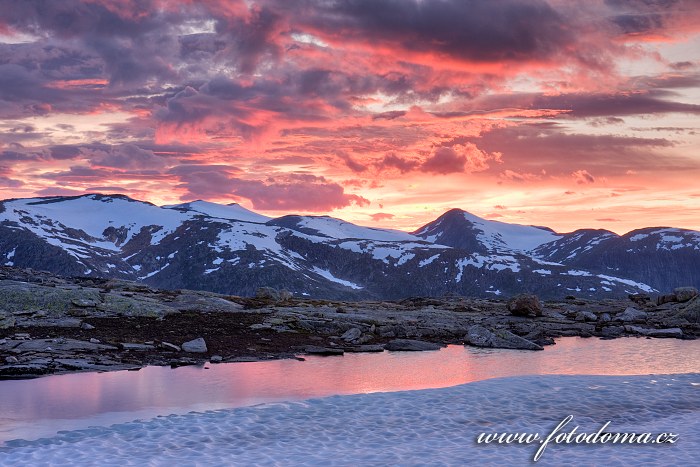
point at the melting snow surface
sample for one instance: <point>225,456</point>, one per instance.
<point>430,426</point>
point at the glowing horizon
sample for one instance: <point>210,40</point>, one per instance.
<point>380,112</point>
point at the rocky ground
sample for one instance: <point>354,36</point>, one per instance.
<point>51,324</point>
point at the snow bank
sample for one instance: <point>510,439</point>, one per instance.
<point>428,427</point>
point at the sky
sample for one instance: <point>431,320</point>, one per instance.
<point>387,113</point>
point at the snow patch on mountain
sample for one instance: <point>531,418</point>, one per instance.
<point>628,282</point>
<point>339,229</point>
<point>229,211</point>
<point>51,218</point>
<point>327,274</point>
<point>496,235</point>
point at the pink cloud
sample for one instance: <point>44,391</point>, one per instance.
<point>583,177</point>
<point>381,216</point>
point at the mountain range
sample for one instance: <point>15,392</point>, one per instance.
<point>229,249</point>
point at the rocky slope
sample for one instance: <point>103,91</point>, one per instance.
<point>54,324</point>
<point>231,250</point>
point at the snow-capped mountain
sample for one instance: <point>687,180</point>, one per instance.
<point>229,249</point>
<point>460,229</point>
<point>661,256</point>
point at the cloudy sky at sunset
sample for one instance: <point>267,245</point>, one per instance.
<point>562,113</point>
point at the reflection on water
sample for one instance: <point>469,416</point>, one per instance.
<point>35,408</point>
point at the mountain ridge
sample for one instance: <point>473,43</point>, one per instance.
<point>229,249</point>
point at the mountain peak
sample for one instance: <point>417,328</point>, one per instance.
<point>462,229</point>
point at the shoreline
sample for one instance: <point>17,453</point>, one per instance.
<point>55,325</point>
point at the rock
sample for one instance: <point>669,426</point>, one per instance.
<point>605,318</point>
<point>351,334</point>
<point>691,312</point>
<point>204,302</point>
<point>87,326</point>
<point>366,348</point>
<point>11,360</point>
<point>7,322</point>
<point>94,341</point>
<point>83,303</point>
<point>216,359</point>
<point>411,345</point>
<point>479,336</point>
<point>285,295</point>
<point>116,304</point>
<point>317,350</point>
<point>539,337</point>
<point>525,304</point>
<point>137,347</point>
<point>54,322</point>
<point>586,316</point>
<point>61,345</point>
<point>667,332</point>
<point>685,294</point>
<point>363,339</point>
<point>168,346</point>
<point>195,346</point>
<point>612,331</point>
<point>640,298</point>
<point>631,315</point>
<point>270,293</point>
<point>668,298</point>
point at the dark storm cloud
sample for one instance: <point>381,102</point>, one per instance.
<point>600,105</point>
<point>471,30</point>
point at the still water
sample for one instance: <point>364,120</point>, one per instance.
<point>31,409</point>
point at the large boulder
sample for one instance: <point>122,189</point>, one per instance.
<point>667,298</point>
<point>640,298</point>
<point>351,334</point>
<point>586,316</point>
<point>479,336</point>
<point>691,312</point>
<point>631,315</point>
<point>525,304</point>
<point>411,345</point>
<point>267,293</point>
<point>194,346</point>
<point>685,294</point>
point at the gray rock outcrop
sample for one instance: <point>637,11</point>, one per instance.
<point>631,315</point>
<point>411,345</point>
<point>194,346</point>
<point>479,336</point>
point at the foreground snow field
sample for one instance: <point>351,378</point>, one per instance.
<point>426,427</point>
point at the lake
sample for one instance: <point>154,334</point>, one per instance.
<point>31,409</point>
